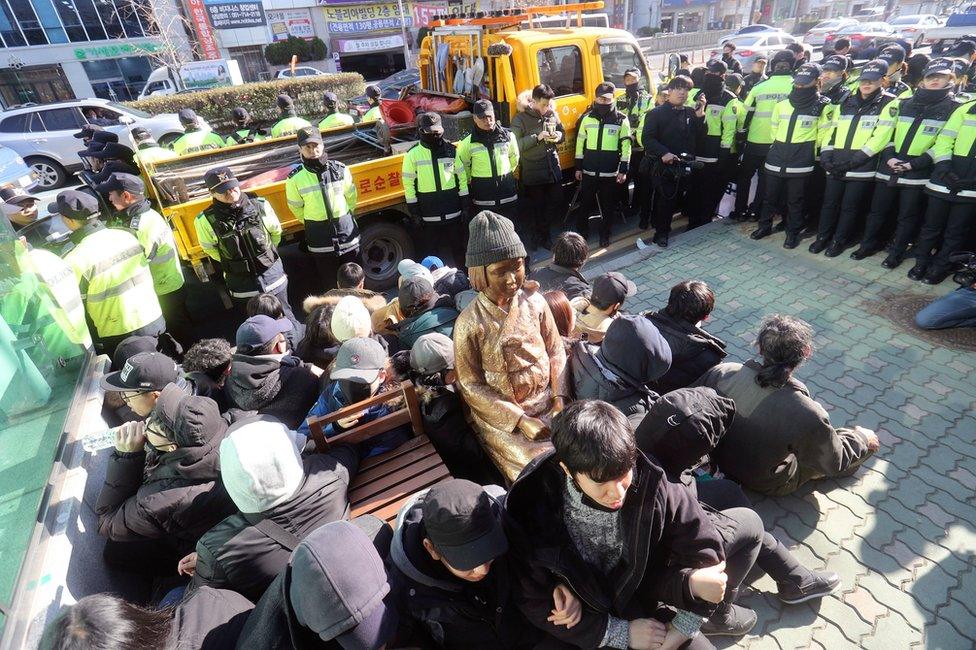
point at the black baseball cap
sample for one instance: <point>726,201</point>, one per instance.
<point>16,195</point>
<point>717,66</point>
<point>143,372</point>
<point>285,101</point>
<point>430,123</point>
<point>121,182</point>
<point>874,70</point>
<point>606,89</point>
<point>416,291</point>
<point>131,346</point>
<point>112,150</point>
<point>240,114</point>
<point>611,288</point>
<point>463,523</point>
<point>633,72</point>
<point>257,331</point>
<point>308,134</point>
<point>892,54</point>
<point>836,63</point>
<point>483,108</point>
<point>359,359</point>
<point>939,66</point>
<point>807,73</point>
<point>87,130</point>
<point>964,47</point>
<point>77,205</point>
<point>220,180</point>
<point>187,116</point>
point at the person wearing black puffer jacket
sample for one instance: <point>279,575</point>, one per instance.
<point>693,350</point>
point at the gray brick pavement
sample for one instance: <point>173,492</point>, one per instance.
<point>902,531</point>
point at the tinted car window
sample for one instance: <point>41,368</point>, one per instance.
<point>57,119</point>
<point>15,124</point>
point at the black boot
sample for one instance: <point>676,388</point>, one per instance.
<point>936,275</point>
<point>729,619</point>
<point>917,272</point>
<point>863,252</point>
<point>792,241</point>
<point>835,249</point>
<point>761,232</point>
<point>780,227</point>
<point>818,245</point>
<point>820,584</point>
<point>894,260</point>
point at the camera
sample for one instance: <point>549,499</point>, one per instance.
<point>965,276</point>
<point>682,167</point>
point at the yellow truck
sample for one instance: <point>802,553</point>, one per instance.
<point>461,60</point>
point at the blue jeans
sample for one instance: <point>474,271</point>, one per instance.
<point>958,309</point>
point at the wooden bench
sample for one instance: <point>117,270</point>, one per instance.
<point>386,481</point>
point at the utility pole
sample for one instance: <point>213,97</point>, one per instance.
<point>405,35</point>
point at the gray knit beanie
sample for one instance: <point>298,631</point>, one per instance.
<point>492,238</point>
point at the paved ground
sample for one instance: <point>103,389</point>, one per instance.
<point>902,531</point>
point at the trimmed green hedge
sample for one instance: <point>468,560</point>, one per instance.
<point>215,105</point>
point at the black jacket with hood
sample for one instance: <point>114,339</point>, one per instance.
<point>280,386</point>
<point>666,536</point>
<point>208,619</point>
<point>456,613</point>
<point>178,494</point>
<point>693,351</point>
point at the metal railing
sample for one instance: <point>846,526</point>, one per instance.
<point>681,42</point>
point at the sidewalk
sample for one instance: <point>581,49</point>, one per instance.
<point>902,531</point>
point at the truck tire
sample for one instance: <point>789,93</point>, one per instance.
<point>382,245</point>
<point>50,174</point>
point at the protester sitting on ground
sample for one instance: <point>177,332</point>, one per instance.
<point>563,313</point>
<point>334,593</point>
<point>282,497</point>
<point>955,309</point>
<point>361,369</point>
<point>385,318</point>
<point>265,377</point>
<point>781,437</point>
<point>510,358</point>
<point>431,368</point>
<point>206,366</point>
<point>350,320</point>
<point>567,515</point>
<point>270,305</point>
<point>450,553</point>
<point>618,371</point>
<point>424,311</point>
<point>319,345</point>
<point>447,280</point>
<point>693,350</point>
<point>141,380</point>
<point>162,487</point>
<point>683,427</point>
<point>205,618</point>
<point>569,253</point>
<point>607,297</point>
<point>350,281</point>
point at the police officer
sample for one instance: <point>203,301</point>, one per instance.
<point>22,210</point>
<point>244,131</point>
<point>489,157</point>
<point>113,158</point>
<point>906,164</point>
<point>436,189</point>
<point>127,194</point>
<point>602,160</point>
<point>242,232</point>
<point>636,102</point>
<point>860,130</point>
<point>798,126</point>
<point>755,132</point>
<point>716,145</point>
<point>951,213</point>
<point>373,94</point>
<point>68,336</point>
<point>288,122</point>
<point>148,151</point>
<point>195,138</point>
<point>833,81</point>
<point>894,56</point>
<point>334,118</point>
<point>965,50</point>
<point>322,196</point>
<point>757,75</point>
<point>114,279</point>
<point>833,88</point>
<point>86,132</point>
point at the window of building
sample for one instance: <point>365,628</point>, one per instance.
<point>8,27</point>
<point>128,14</point>
<point>617,58</point>
<point>251,61</point>
<point>71,20</point>
<point>89,18</point>
<point>110,18</point>
<point>40,84</point>
<point>119,80</point>
<point>29,25</point>
<point>146,15</point>
<point>48,16</point>
<point>561,68</point>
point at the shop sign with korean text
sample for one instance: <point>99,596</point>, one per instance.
<point>364,45</point>
<point>116,50</point>
<point>290,22</point>
<point>233,14</point>
<point>365,18</point>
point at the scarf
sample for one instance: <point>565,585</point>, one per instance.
<point>803,97</point>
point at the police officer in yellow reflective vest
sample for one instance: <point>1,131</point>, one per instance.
<point>334,118</point>
<point>127,194</point>
<point>195,138</point>
<point>373,94</point>
<point>602,160</point>
<point>244,132</point>
<point>322,196</point>
<point>799,125</point>
<point>436,189</point>
<point>636,102</point>
<point>113,275</point>
<point>288,122</point>
<point>894,57</point>
<point>148,151</point>
<point>489,157</point>
<point>861,128</point>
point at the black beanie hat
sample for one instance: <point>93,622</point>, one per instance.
<point>492,238</point>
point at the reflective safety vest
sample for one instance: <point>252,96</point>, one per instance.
<point>60,280</point>
<point>152,155</point>
<point>859,126</point>
<point>490,174</point>
<point>159,246</point>
<point>916,131</point>
<point>721,120</point>
<point>335,120</point>
<point>797,135</point>
<point>114,280</point>
<point>373,115</point>
<point>635,108</point>
<point>603,146</point>
<point>199,140</point>
<point>288,126</point>
<point>433,181</point>
<point>755,118</point>
<point>955,151</point>
<point>324,203</point>
<point>244,136</point>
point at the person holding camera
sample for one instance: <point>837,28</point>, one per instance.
<point>958,308</point>
<point>669,136</point>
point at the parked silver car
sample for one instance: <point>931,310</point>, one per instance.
<point>749,46</point>
<point>818,33</point>
<point>14,172</point>
<point>44,135</point>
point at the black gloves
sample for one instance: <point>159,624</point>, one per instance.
<point>858,159</point>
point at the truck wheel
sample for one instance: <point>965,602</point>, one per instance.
<point>382,245</point>
<point>50,175</point>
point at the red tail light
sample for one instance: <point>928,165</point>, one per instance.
<point>857,37</point>
<point>746,52</point>
<point>910,29</point>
